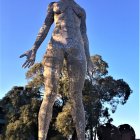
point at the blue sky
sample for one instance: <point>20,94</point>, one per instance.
<point>112,28</point>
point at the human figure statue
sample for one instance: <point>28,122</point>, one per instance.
<point>68,41</point>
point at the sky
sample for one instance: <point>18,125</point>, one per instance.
<point>113,32</point>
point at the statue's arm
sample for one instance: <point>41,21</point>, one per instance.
<point>45,28</point>
<point>84,35</point>
<point>31,54</point>
<point>86,42</point>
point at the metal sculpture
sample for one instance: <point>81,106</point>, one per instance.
<point>68,41</point>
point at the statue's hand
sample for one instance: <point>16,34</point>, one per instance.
<point>89,67</point>
<point>31,54</point>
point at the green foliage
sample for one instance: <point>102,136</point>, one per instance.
<point>92,104</point>
<point>111,88</point>
<point>100,66</point>
<point>35,76</point>
<point>21,108</point>
<point>64,122</point>
<point>101,96</point>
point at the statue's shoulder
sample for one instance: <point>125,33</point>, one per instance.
<point>79,10</point>
<point>54,4</point>
<point>83,12</point>
<point>51,4</point>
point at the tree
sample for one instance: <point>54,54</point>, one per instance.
<point>108,132</point>
<point>21,108</point>
<point>127,132</point>
<point>101,95</point>
<point>35,76</point>
<point>64,122</point>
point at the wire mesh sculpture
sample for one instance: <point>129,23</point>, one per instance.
<point>68,41</point>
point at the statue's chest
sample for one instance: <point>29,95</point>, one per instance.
<point>59,8</point>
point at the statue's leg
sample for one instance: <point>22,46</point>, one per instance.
<point>53,61</point>
<point>77,71</point>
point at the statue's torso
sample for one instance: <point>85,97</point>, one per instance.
<point>67,18</point>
